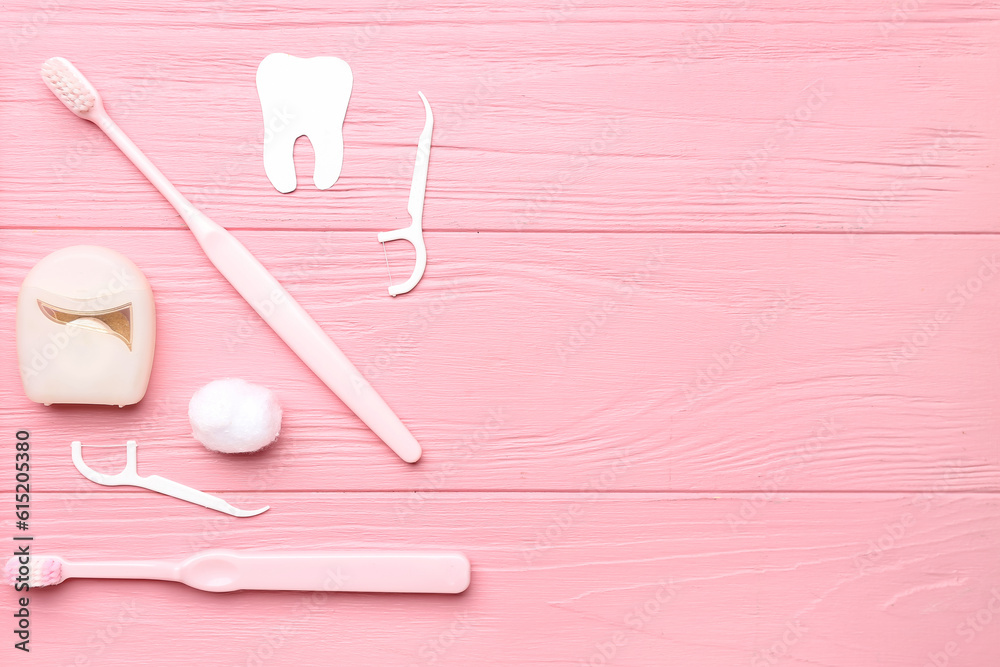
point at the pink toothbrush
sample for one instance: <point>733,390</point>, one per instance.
<point>265,294</point>
<point>219,571</point>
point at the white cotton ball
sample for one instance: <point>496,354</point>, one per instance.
<point>233,416</point>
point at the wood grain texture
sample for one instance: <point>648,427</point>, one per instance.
<point>704,362</point>
<point>710,362</point>
<point>665,571</point>
<point>700,116</point>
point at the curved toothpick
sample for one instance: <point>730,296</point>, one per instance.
<point>130,477</point>
<point>415,233</point>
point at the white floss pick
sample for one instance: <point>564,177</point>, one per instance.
<point>234,416</point>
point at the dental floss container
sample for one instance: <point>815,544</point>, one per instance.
<point>86,328</point>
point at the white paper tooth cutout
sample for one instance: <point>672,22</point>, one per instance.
<point>303,96</point>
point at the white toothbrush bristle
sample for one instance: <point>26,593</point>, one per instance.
<point>69,85</point>
<point>40,571</point>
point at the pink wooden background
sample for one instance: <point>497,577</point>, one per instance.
<point>705,361</point>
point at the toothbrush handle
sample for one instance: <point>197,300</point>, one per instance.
<point>142,163</point>
<point>301,333</point>
<point>122,569</point>
<point>358,571</point>
<point>276,306</point>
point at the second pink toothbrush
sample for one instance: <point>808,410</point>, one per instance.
<point>220,571</point>
<point>260,289</point>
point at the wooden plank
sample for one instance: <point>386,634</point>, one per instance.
<point>650,579</point>
<point>695,117</point>
<point>534,361</point>
<point>704,362</point>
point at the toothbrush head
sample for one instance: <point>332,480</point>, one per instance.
<point>41,571</point>
<point>71,87</point>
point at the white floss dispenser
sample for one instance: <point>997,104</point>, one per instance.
<point>86,328</point>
